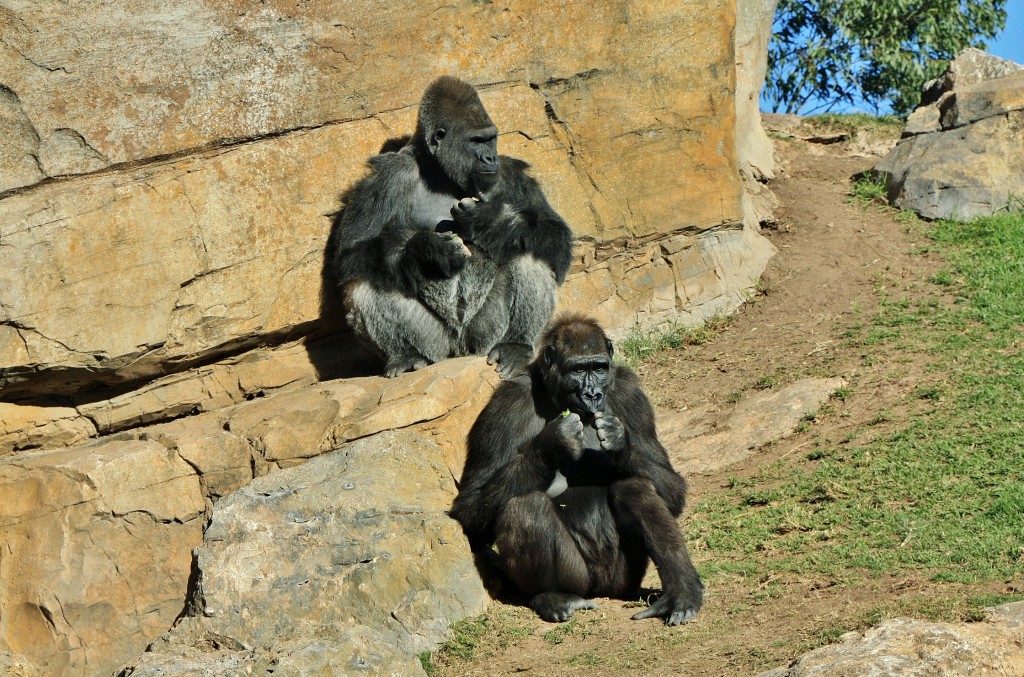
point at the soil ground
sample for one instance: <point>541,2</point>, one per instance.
<point>834,261</point>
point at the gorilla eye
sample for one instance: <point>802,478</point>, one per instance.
<point>440,134</point>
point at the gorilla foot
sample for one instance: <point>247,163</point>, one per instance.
<point>511,358</point>
<point>403,363</point>
<point>556,607</point>
<point>675,607</point>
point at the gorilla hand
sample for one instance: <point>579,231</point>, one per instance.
<point>676,605</point>
<point>610,433</point>
<point>471,215</point>
<point>561,441</point>
<point>437,255</point>
<point>511,358</point>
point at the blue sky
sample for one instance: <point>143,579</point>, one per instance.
<point>1010,43</point>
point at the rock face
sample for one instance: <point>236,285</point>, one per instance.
<point>163,223</point>
<point>753,30</point>
<point>332,558</point>
<point>960,155</point>
<point>97,539</point>
<point>908,648</point>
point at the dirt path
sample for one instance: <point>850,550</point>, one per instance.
<point>835,261</point>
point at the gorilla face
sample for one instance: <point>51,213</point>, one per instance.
<point>469,157</point>
<point>458,133</point>
<point>579,382</point>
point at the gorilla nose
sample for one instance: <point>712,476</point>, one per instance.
<point>594,402</point>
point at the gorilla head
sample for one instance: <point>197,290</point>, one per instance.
<point>456,131</point>
<point>576,358</point>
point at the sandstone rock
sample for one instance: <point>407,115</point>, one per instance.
<point>97,545</point>
<point>202,654</point>
<point>29,427</point>
<point>19,144</point>
<point>684,277</point>
<point>959,157</point>
<point>327,550</point>
<point>756,420</point>
<point>904,647</point>
<point>16,666</point>
<point>84,529</point>
<point>205,235</point>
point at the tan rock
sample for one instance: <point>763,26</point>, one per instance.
<point>97,544</point>
<point>29,427</point>
<point>191,249</point>
<point>697,447</point>
<point>904,647</point>
<point>753,30</point>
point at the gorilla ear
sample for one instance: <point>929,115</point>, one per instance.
<point>609,346</point>
<point>439,134</point>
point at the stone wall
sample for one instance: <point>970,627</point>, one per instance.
<point>168,177</point>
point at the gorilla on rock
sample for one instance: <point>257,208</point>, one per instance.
<point>447,248</point>
<point>566,479</point>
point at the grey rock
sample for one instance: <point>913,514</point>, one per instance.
<point>961,173</point>
<point>960,155</point>
<point>348,560</point>
<point>970,66</point>
<point>903,647</point>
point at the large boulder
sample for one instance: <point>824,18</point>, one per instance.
<point>333,560</point>
<point>904,647</point>
<point>98,538</point>
<point>960,156</point>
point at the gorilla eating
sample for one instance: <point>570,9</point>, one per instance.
<point>566,478</point>
<point>447,248</point>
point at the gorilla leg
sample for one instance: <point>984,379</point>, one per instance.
<point>409,335</point>
<point>527,300</point>
<point>638,507</point>
<point>540,556</point>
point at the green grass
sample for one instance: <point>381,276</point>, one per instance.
<point>640,344</point>
<point>941,495</point>
<point>855,123</point>
<point>869,189</point>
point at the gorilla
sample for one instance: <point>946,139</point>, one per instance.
<point>447,248</point>
<point>566,479</point>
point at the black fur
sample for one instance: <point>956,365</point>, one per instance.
<point>447,222</point>
<point>623,499</point>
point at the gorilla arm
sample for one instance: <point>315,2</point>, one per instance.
<point>516,220</point>
<point>512,452</point>
<point>634,447</point>
<point>379,239</point>
<point>640,453</point>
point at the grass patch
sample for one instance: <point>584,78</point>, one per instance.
<point>640,344</point>
<point>856,123</point>
<point>869,189</point>
<point>943,495</point>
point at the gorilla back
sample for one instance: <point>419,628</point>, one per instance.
<point>566,477</point>
<point>447,248</point>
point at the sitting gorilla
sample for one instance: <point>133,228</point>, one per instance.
<point>566,477</point>
<point>446,248</point>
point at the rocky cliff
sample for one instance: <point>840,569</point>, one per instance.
<point>168,334</point>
